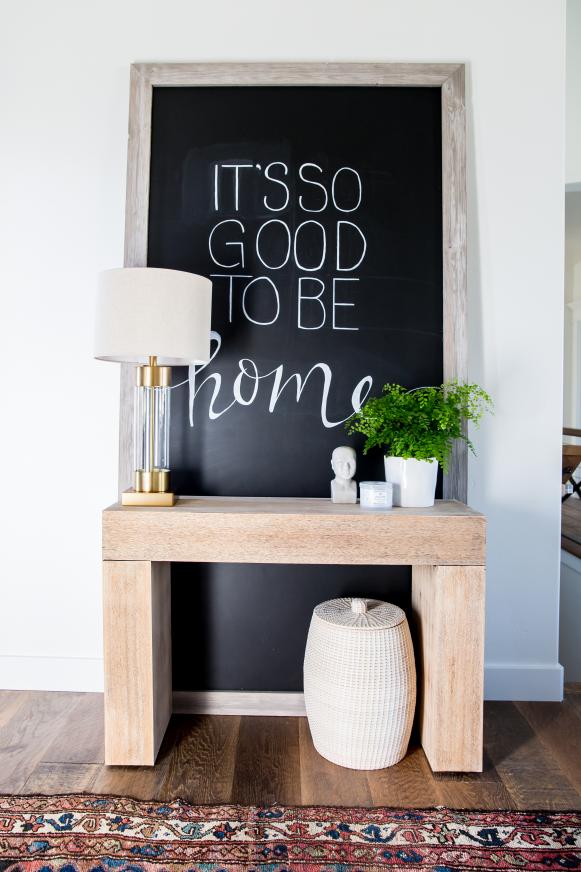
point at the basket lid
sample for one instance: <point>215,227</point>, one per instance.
<point>366,614</point>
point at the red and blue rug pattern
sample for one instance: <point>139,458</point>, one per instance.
<point>112,834</point>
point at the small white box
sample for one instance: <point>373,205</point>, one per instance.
<point>376,494</point>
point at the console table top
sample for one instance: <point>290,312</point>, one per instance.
<point>295,506</point>
<point>288,530</point>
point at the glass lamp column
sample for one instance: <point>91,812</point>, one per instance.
<point>151,437</point>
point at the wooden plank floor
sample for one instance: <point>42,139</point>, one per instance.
<point>53,743</point>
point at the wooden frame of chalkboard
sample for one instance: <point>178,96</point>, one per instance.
<point>449,78</point>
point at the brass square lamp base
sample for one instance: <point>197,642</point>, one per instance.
<point>139,498</point>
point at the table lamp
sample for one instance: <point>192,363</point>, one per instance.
<point>156,318</point>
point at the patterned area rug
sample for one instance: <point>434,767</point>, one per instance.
<point>82,832</point>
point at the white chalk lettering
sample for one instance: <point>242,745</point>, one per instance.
<point>239,244</point>
<point>336,305</point>
<point>288,240</point>
<point>276,296</point>
<point>271,178</point>
<point>237,168</point>
<point>360,261</point>
<point>315,297</point>
<point>194,389</point>
<point>249,371</point>
<point>252,376</point>
<point>333,183</point>
<point>312,182</point>
<point>323,246</point>
<point>230,277</point>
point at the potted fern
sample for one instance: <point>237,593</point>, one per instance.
<point>416,430</point>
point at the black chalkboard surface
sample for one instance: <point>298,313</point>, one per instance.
<point>317,213</point>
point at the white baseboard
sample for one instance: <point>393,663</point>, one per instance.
<point>22,672</point>
<point>502,681</point>
<point>225,702</point>
<point>518,681</point>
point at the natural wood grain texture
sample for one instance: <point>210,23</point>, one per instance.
<point>142,782</point>
<point>574,699</point>
<point>321,779</point>
<point>137,619</point>
<point>530,772</point>
<point>10,702</point>
<point>454,209</point>
<point>87,743</point>
<point>298,506</point>
<point>571,460</point>
<point>136,222</point>
<point>62,778</point>
<point>232,530</point>
<point>474,794</point>
<point>271,74</point>
<point>448,77</point>
<point>202,759</point>
<point>178,771</point>
<point>137,654</point>
<point>222,702</point>
<point>473,790</point>
<point>267,762</point>
<point>26,731</point>
<point>448,609</point>
<point>558,726</point>
<point>138,159</point>
<point>571,546</point>
<point>409,784</point>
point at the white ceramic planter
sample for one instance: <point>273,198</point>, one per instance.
<point>414,481</point>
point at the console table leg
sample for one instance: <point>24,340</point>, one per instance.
<point>448,607</point>
<point>137,652</point>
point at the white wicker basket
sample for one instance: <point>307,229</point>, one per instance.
<point>360,682</point>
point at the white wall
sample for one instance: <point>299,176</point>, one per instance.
<point>64,120</point>
<point>573,96</point>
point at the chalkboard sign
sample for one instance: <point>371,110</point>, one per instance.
<point>317,212</point>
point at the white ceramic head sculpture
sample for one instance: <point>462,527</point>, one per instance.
<point>344,464</point>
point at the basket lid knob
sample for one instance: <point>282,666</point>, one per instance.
<point>359,606</point>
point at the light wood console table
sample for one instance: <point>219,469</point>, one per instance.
<point>445,545</point>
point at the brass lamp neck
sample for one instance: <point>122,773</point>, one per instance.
<point>153,376</point>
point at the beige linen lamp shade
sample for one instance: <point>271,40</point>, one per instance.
<point>144,312</point>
